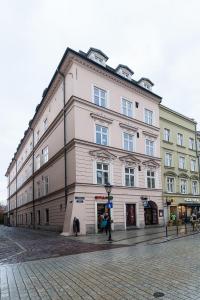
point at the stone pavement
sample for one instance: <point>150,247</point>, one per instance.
<point>136,272</point>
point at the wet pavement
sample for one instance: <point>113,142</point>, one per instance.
<point>21,244</point>
<point>166,271</point>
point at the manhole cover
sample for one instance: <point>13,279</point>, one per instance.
<point>158,294</point>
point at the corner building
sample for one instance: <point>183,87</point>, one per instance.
<point>94,125</point>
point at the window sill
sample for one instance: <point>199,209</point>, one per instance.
<point>180,146</point>
<point>183,170</point>
<point>169,167</point>
<point>167,142</point>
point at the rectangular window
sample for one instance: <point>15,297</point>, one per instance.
<point>168,159</point>
<point>47,215</point>
<point>45,124</point>
<point>127,108</point>
<point>38,189</point>
<point>31,214</point>
<point>166,135</point>
<point>191,144</point>
<point>183,186</point>
<point>193,165</point>
<point>100,97</point>
<point>101,135</point>
<point>129,176</point>
<point>37,136</point>
<point>170,185</point>
<point>181,162</point>
<point>46,185</point>
<point>180,139</point>
<point>38,217</point>
<point>128,142</point>
<point>148,116</point>
<point>194,187</point>
<point>149,147</point>
<point>45,155</point>
<point>150,179</point>
<point>37,162</point>
<point>102,173</point>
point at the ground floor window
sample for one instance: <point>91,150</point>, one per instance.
<point>47,215</point>
<point>31,218</point>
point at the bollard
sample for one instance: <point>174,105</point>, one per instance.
<point>177,229</point>
<point>166,231</point>
<point>185,228</point>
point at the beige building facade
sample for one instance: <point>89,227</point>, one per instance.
<point>94,125</point>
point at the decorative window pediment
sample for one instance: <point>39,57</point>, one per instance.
<point>169,173</point>
<point>130,160</point>
<point>102,155</point>
<point>151,163</point>
<point>128,127</point>
<point>183,175</point>
<point>194,177</point>
<point>102,118</point>
<point>150,134</point>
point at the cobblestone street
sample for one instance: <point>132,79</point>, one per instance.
<point>170,270</point>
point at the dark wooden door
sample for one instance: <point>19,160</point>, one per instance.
<point>130,215</point>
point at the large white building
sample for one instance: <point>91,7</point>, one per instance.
<point>95,124</point>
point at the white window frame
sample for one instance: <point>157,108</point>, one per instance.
<point>45,185</point>
<point>129,174</point>
<point>183,190</point>
<point>45,124</point>
<point>128,139</point>
<point>181,162</point>
<point>195,190</point>
<point>150,148</point>
<point>151,178</point>
<point>179,139</point>
<point>104,171</point>
<point>45,155</point>
<point>99,97</point>
<point>193,165</point>
<point>166,134</point>
<point>191,144</point>
<point>124,108</point>
<point>101,134</point>
<point>170,183</point>
<point>148,116</point>
<point>168,159</point>
<point>37,162</point>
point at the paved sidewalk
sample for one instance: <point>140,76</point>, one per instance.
<point>133,273</point>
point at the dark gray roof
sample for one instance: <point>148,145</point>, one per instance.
<point>146,79</point>
<point>96,50</point>
<point>125,67</point>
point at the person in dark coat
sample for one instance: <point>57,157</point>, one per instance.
<point>76,225</point>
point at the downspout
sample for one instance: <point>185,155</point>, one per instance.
<point>16,187</point>
<point>33,188</point>
<point>8,201</point>
<point>197,156</point>
<point>65,139</point>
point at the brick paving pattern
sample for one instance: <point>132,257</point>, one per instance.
<point>139,272</point>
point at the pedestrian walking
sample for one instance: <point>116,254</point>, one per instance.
<point>76,226</point>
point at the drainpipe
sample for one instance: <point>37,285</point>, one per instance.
<point>33,188</point>
<point>8,222</point>
<point>16,187</point>
<point>197,155</point>
<point>65,139</point>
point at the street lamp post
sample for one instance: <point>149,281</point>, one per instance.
<point>108,188</point>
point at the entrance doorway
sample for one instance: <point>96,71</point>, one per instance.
<point>130,215</point>
<point>151,213</point>
<point>101,210</point>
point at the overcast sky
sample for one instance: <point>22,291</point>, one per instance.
<point>156,39</point>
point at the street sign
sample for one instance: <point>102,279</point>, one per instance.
<point>109,205</point>
<point>79,199</point>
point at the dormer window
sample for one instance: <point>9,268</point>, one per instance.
<point>124,71</point>
<point>98,56</point>
<point>146,83</point>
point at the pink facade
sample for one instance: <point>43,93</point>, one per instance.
<point>112,134</point>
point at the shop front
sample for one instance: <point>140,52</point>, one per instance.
<point>183,208</point>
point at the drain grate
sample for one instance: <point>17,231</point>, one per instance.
<point>158,294</point>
